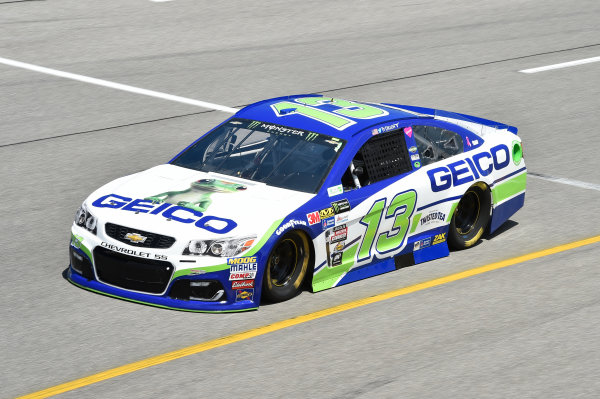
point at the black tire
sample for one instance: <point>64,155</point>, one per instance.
<point>286,267</point>
<point>471,217</point>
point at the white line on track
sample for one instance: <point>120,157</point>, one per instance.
<point>562,180</point>
<point>561,65</point>
<point>117,86</point>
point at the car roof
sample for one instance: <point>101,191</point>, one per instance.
<point>265,111</point>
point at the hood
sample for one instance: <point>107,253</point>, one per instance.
<point>186,203</point>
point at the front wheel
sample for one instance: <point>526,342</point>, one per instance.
<point>286,267</point>
<point>471,217</point>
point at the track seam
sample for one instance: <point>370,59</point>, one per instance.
<point>321,91</point>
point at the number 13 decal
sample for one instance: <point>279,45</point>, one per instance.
<point>400,210</point>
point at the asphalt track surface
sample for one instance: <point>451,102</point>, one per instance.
<point>528,330</point>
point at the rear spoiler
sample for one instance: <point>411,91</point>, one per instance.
<point>469,122</point>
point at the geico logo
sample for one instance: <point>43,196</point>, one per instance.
<point>247,259</point>
<point>174,212</point>
<point>469,169</point>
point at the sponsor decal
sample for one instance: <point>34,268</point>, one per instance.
<point>197,271</point>
<point>291,223</point>
<point>177,213</point>
<point>328,222</point>
<point>414,157</point>
<point>335,190</point>
<point>244,295</point>
<point>326,213</point>
<point>239,284</point>
<point>336,258</point>
<point>432,217</point>
<point>385,128</point>
<point>340,206</point>
<point>468,169</point>
<point>311,136</point>
<point>439,238</point>
<point>468,142</point>
<point>135,238</point>
<point>253,124</point>
<point>76,241</point>
<point>475,142</point>
<point>133,252</point>
<point>283,130</point>
<point>339,233</point>
<point>313,218</point>
<point>243,268</point>
<point>417,164</point>
<point>408,131</point>
<point>339,246</point>
<point>242,276</point>
<point>412,149</point>
<point>422,244</point>
<point>342,218</point>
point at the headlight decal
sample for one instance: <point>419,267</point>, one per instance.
<point>83,218</point>
<point>226,248</point>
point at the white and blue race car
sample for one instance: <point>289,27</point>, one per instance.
<point>297,192</point>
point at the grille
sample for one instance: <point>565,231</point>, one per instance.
<point>153,240</point>
<point>132,273</point>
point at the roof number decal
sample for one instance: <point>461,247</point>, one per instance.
<point>338,118</point>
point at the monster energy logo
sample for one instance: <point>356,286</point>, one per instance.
<point>311,136</point>
<point>253,124</point>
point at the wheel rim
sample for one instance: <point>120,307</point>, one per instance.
<point>283,262</point>
<point>467,213</point>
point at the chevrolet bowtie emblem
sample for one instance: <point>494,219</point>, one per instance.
<point>135,237</point>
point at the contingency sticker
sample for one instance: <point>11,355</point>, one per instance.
<point>335,190</point>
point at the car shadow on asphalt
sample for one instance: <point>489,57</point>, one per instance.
<point>509,224</point>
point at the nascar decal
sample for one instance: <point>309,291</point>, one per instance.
<point>467,170</point>
<point>244,268</point>
<point>176,213</point>
<point>420,244</point>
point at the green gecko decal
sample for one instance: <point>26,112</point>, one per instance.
<point>197,197</point>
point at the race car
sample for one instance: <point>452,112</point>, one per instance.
<point>297,192</point>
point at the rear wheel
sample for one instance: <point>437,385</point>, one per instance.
<point>471,217</point>
<point>286,267</point>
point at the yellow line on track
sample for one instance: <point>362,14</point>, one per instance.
<point>255,332</point>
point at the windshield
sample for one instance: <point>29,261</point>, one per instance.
<point>273,154</point>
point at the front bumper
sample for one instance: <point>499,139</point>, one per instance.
<point>91,269</point>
